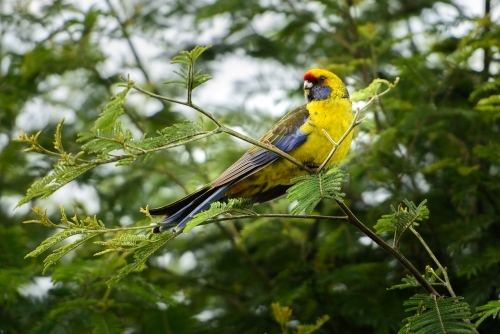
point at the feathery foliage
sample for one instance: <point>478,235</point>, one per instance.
<point>107,139</point>
<point>309,190</point>
<point>233,205</point>
<point>437,315</point>
<point>190,78</point>
<point>491,309</point>
<point>402,219</point>
<point>435,137</point>
<point>431,276</point>
<point>282,315</point>
<point>142,253</point>
<point>106,323</point>
<point>71,227</point>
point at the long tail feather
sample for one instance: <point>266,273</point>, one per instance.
<point>183,210</point>
<point>202,206</point>
<point>174,207</point>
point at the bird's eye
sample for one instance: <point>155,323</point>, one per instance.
<point>321,79</point>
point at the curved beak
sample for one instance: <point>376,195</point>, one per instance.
<point>307,88</point>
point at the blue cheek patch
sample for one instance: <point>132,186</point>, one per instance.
<point>320,92</point>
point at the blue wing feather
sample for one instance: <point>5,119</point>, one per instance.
<point>285,135</point>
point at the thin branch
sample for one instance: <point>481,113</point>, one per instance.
<point>129,41</point>
<point>439,314</point>
<point>436,261</point>
<point>268,147</point>
<point>397,255</point>
<point>278,215</point>
<point>230,131</point>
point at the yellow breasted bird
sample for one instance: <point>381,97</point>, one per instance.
<point>263,175</point>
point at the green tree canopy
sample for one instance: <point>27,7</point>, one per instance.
<point>435,137</point>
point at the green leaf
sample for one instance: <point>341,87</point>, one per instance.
<point>491,309</point>
<point>106,323</point>
<point>176,83</point>
<point>308,329</point>
<point>198,50</point>
<point>105,141</point>
<point>437,315</point>
<point>311,189</point>
<point>44,219</point>
<point>200,79</point>
<point>402,218</point>
<point>61,176</point>
<point>143,252</point>
<point>237,205</point>
<point>111,111</point>
<point>190,78</point>
<point>122,243</point>
<point>69,306</point>
<point>58,253</point>
<point>58,137</point>
<point>490,100</point>
<point>409,282</point>
<point>171,134</point>
<point>363,94</point>
<point>53,240</point>
<point>281,314</point>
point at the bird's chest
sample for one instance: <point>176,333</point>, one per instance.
<point>326,122</point>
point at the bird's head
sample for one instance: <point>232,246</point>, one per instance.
<point>321,84</point>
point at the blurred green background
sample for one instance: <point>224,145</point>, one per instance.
<point>435,137</point>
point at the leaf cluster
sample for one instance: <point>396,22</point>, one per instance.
<point>109,142</point>
<point>437,315</point>
<point>309,190</point>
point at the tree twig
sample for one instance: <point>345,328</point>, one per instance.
<point>397,255</point>
<point>230,131</point>
<point>436,261</point>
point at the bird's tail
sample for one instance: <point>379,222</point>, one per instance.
<point>180,212</point>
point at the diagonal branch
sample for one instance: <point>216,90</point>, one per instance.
<point>229,131</point>
<point>396,254</point>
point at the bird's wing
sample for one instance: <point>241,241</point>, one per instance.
<point>285,135</point>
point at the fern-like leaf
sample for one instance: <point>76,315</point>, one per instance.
<point>58,253</point>
<point>106,323</point>
<point>189,78</point>
<point>68,306</point>
<point>168,135</point>
<point>308,329</point>
<point>282,315</point>
<point>491,309</point>
<point>44,219</point>
<point>401,218</point>
<point>122,243</point>
<point>144,250</point>
<point>89,227</point>
<point>484,88</point>
<point>235,205</point>
<point>45,187</point>
<point>58,137</point>
<point>437,315</point>
<point>408,282</point>
<point>105,141</point>
<point>107,118</point>
<point>311,189</point>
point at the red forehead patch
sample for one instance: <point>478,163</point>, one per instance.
<point>309,77</point>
